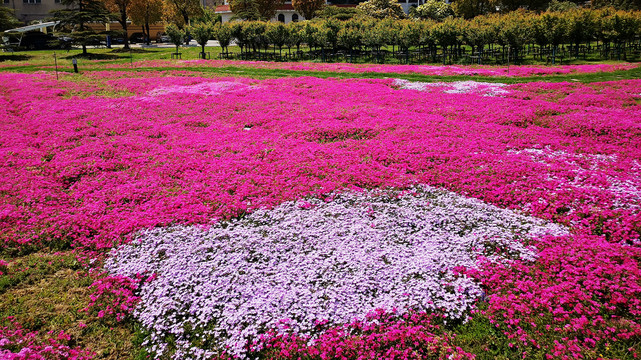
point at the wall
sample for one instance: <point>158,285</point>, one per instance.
<point>27,12</point>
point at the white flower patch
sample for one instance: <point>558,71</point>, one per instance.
<point>625,187</point>
<point>206,88</point>
<point>456,87</point>
<point>309,261</point>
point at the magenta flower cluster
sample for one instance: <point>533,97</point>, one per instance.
<point>17,343</point>
<point>380,334</point>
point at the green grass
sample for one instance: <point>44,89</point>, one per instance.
<point>47,291</point>
<point>35,60</point>
<point>257,73</point>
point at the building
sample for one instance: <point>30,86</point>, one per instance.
<point>30,10</point>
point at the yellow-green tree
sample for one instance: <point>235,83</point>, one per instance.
<point>381,9</point>
<point>121,9</point>
<point>144,13</point>
<point>471,8</point>
<point>180,11</point>
<point>308,8</point>
<point>245,9</point>
<point>267,8</point>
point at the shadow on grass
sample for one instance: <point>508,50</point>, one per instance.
<point>14,57</point>
<point>92,56</point>
<point>126,51</point>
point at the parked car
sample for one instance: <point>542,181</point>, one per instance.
<point>137,38</point>
<point>162,38</point>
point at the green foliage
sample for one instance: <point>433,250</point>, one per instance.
<point>515,31</point>
<point>239,34</point>
<point>223,33</point>
<point>432,9</point>
<point>176,35</point>
<point>8,19</point>
<point>554,28</point>
<point>350,36</point>
<point>471,8</point>
<point>556,5</point>
<point>201,32</point>
<point>381,9</point>
<point>308,8</point>
<point>267,8</point>
<point>208,16</point>
<point>296,34</point>
<point>336,13</point>
<point>617,4</point>
<point>245,9</point>
<point>277,34</point>
<point>75,20</point>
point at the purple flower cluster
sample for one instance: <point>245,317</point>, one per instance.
<point>309,261</point>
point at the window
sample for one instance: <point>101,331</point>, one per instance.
<point>281,18</point>
<point>295,18</point>
<point>31,1</point>
<point>6,1</point>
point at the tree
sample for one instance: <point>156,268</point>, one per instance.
<point>245,9</point>
<point>120,7</point>
<point>267,8</point>
<point>278,35</point>
<point>223,33</point>
<point>176,35</point>
<point>512,5</point>
<point>75,19</point>
<point>336,13</point>
<point>144,13</point>
<point>556,5</point>
<point>381,9</point>
<point>237,31</point>
<point>432,9</point>
<point>180,11</point>
<point>8,19</point>
<point>308,8</point>
<point>470,8</point>
<point>201,32</point>
<point>617,4</point>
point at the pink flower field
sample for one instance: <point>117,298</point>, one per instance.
<point>307,218</point>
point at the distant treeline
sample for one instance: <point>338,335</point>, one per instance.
<point>597,33</point>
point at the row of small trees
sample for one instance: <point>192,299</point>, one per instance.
<point>614,29</point>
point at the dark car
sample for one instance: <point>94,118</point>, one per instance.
<point>35,40</point>
<point>138,38</point>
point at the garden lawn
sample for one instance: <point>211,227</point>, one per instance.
<point>535,187</point>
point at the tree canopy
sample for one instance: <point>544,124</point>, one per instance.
<point>75,19</point>
<point>179,12</point>
<point>381,9</point>
<point>8,19</point>
<point>145,13</point>
<point>121,9</point>
<point>308,8</point>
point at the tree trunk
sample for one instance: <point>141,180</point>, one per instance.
<point>148,32</point>
<point>123,23</point>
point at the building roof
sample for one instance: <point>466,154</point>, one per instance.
<point>34,27</point>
